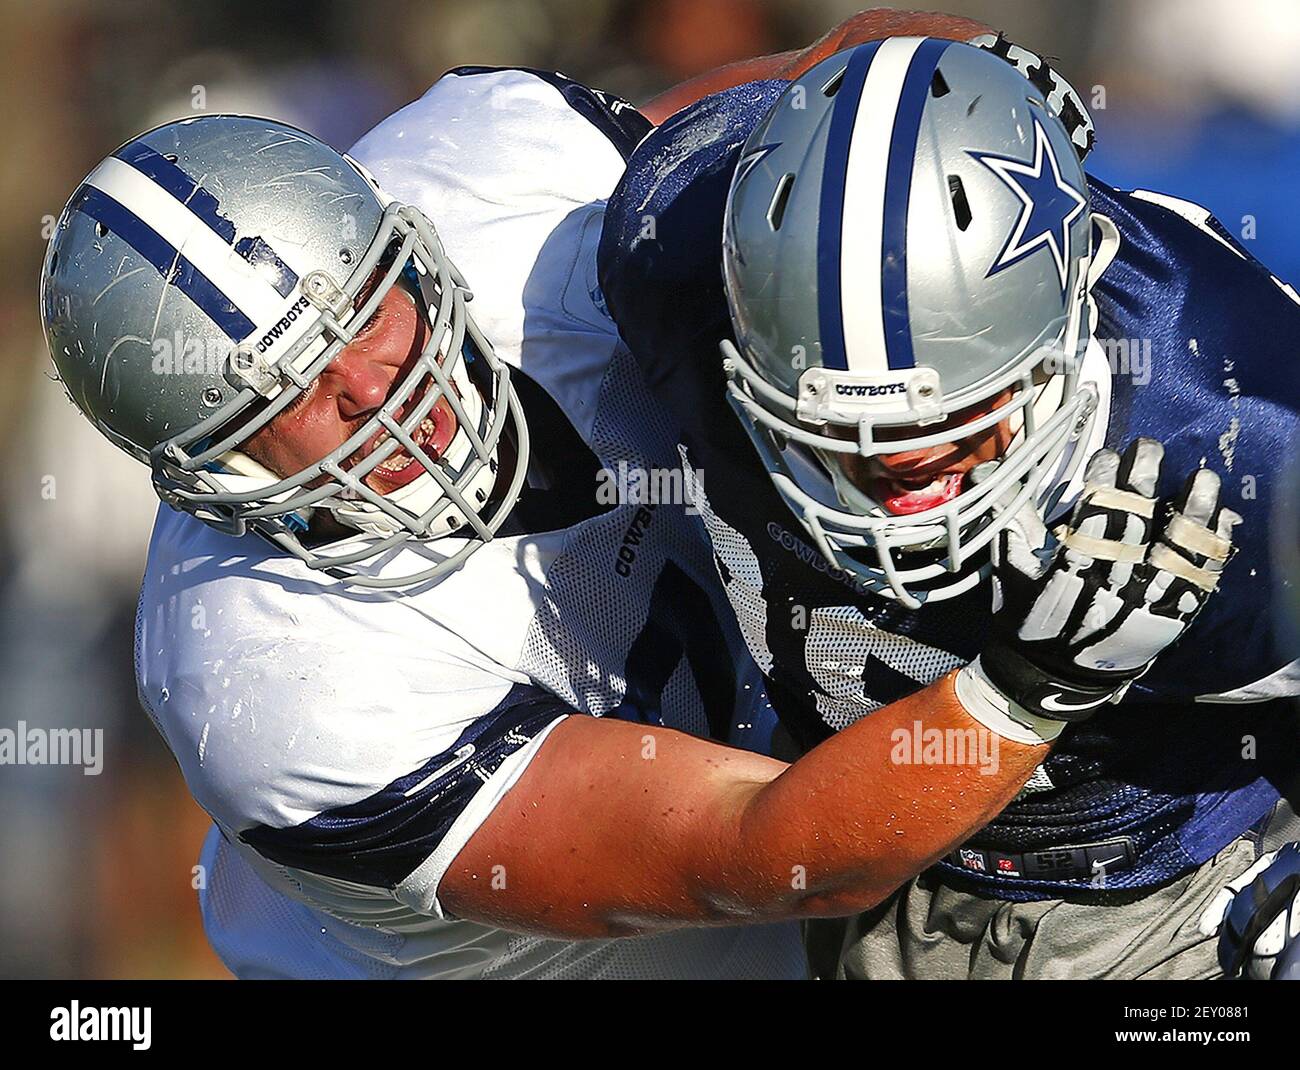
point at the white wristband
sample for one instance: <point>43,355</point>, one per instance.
<point>985,703</point>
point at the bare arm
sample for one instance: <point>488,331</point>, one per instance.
<point>618,828</point>
<point>871,25</point>
<point>615,828</point>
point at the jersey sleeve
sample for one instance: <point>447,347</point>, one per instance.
<point>513,167</point>
<point>405,833</point>
<point>515,131</point>
<point>613,117</point>
<point>1199,335</point>
<point>353,741</point>
<point>660,254</point>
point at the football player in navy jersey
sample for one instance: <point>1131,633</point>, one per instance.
<point>931,321</point>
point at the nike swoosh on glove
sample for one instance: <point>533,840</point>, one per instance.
<point>1081,615</point>
<point>1257,917</point>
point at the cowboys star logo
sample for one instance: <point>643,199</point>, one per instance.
<point>1049,205</point>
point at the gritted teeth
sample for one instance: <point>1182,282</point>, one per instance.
<point>901,500</point>
<point>400,459</point>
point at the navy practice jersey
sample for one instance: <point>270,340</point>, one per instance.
<point>1189,761</point>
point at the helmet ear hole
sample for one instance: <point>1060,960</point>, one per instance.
<point>960,203</point>
<point>836,80</point>
<point>780,198</point>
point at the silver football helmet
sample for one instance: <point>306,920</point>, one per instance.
<point>908,236</point>
<point>199,280</point>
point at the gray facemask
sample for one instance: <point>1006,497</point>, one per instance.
<point>206,273</point>
<point>907,236</point>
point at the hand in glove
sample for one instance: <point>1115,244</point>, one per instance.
<point>1080,616</point>
<point>1257,917</point>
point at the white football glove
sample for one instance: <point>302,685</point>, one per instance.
<point>1257,917</point>
<point>1082,614</point>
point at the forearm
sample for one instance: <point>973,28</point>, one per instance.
<point>869,808</point>
<point>875,25</point>
<point>673,100</point>
<point>618,828</point>
<point>871,25</point>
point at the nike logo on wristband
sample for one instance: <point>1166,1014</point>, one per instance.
<point>1052,702</point>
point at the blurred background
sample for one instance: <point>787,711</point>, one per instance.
<point>1199,98</point>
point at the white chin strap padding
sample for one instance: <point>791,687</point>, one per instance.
<point>1107,248</point>
<point>240,474</point>
<point>418,497</point>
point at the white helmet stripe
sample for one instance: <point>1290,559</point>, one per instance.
<point>251,293</point>
<point>862,230</point>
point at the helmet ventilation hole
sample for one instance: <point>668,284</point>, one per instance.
<point>54,261</point>
<point>960,205</point>
<point>101,231</point>
<point>170,157</point>
<point>836,80</point>
<point>938,85</point>
<point>780,197</point>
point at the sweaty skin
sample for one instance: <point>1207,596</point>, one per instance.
<point>350,390</point>
<point>871,25</point>
<point>618,828</point>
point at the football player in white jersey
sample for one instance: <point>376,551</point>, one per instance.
<point>380,700</point>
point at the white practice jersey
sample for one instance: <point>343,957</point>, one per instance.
<point>348,742</point>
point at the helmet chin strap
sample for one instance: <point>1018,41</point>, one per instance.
<point>1107,248</point>
<point>239,474</point>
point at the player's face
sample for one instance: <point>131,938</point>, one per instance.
<point>350,390</point>
<point>915,480</point>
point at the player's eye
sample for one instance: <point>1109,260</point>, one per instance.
<point>371,323</point>
<point>303,395</point>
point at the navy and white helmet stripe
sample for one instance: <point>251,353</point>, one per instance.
<point>159,210</point>
<point>866,190</point>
